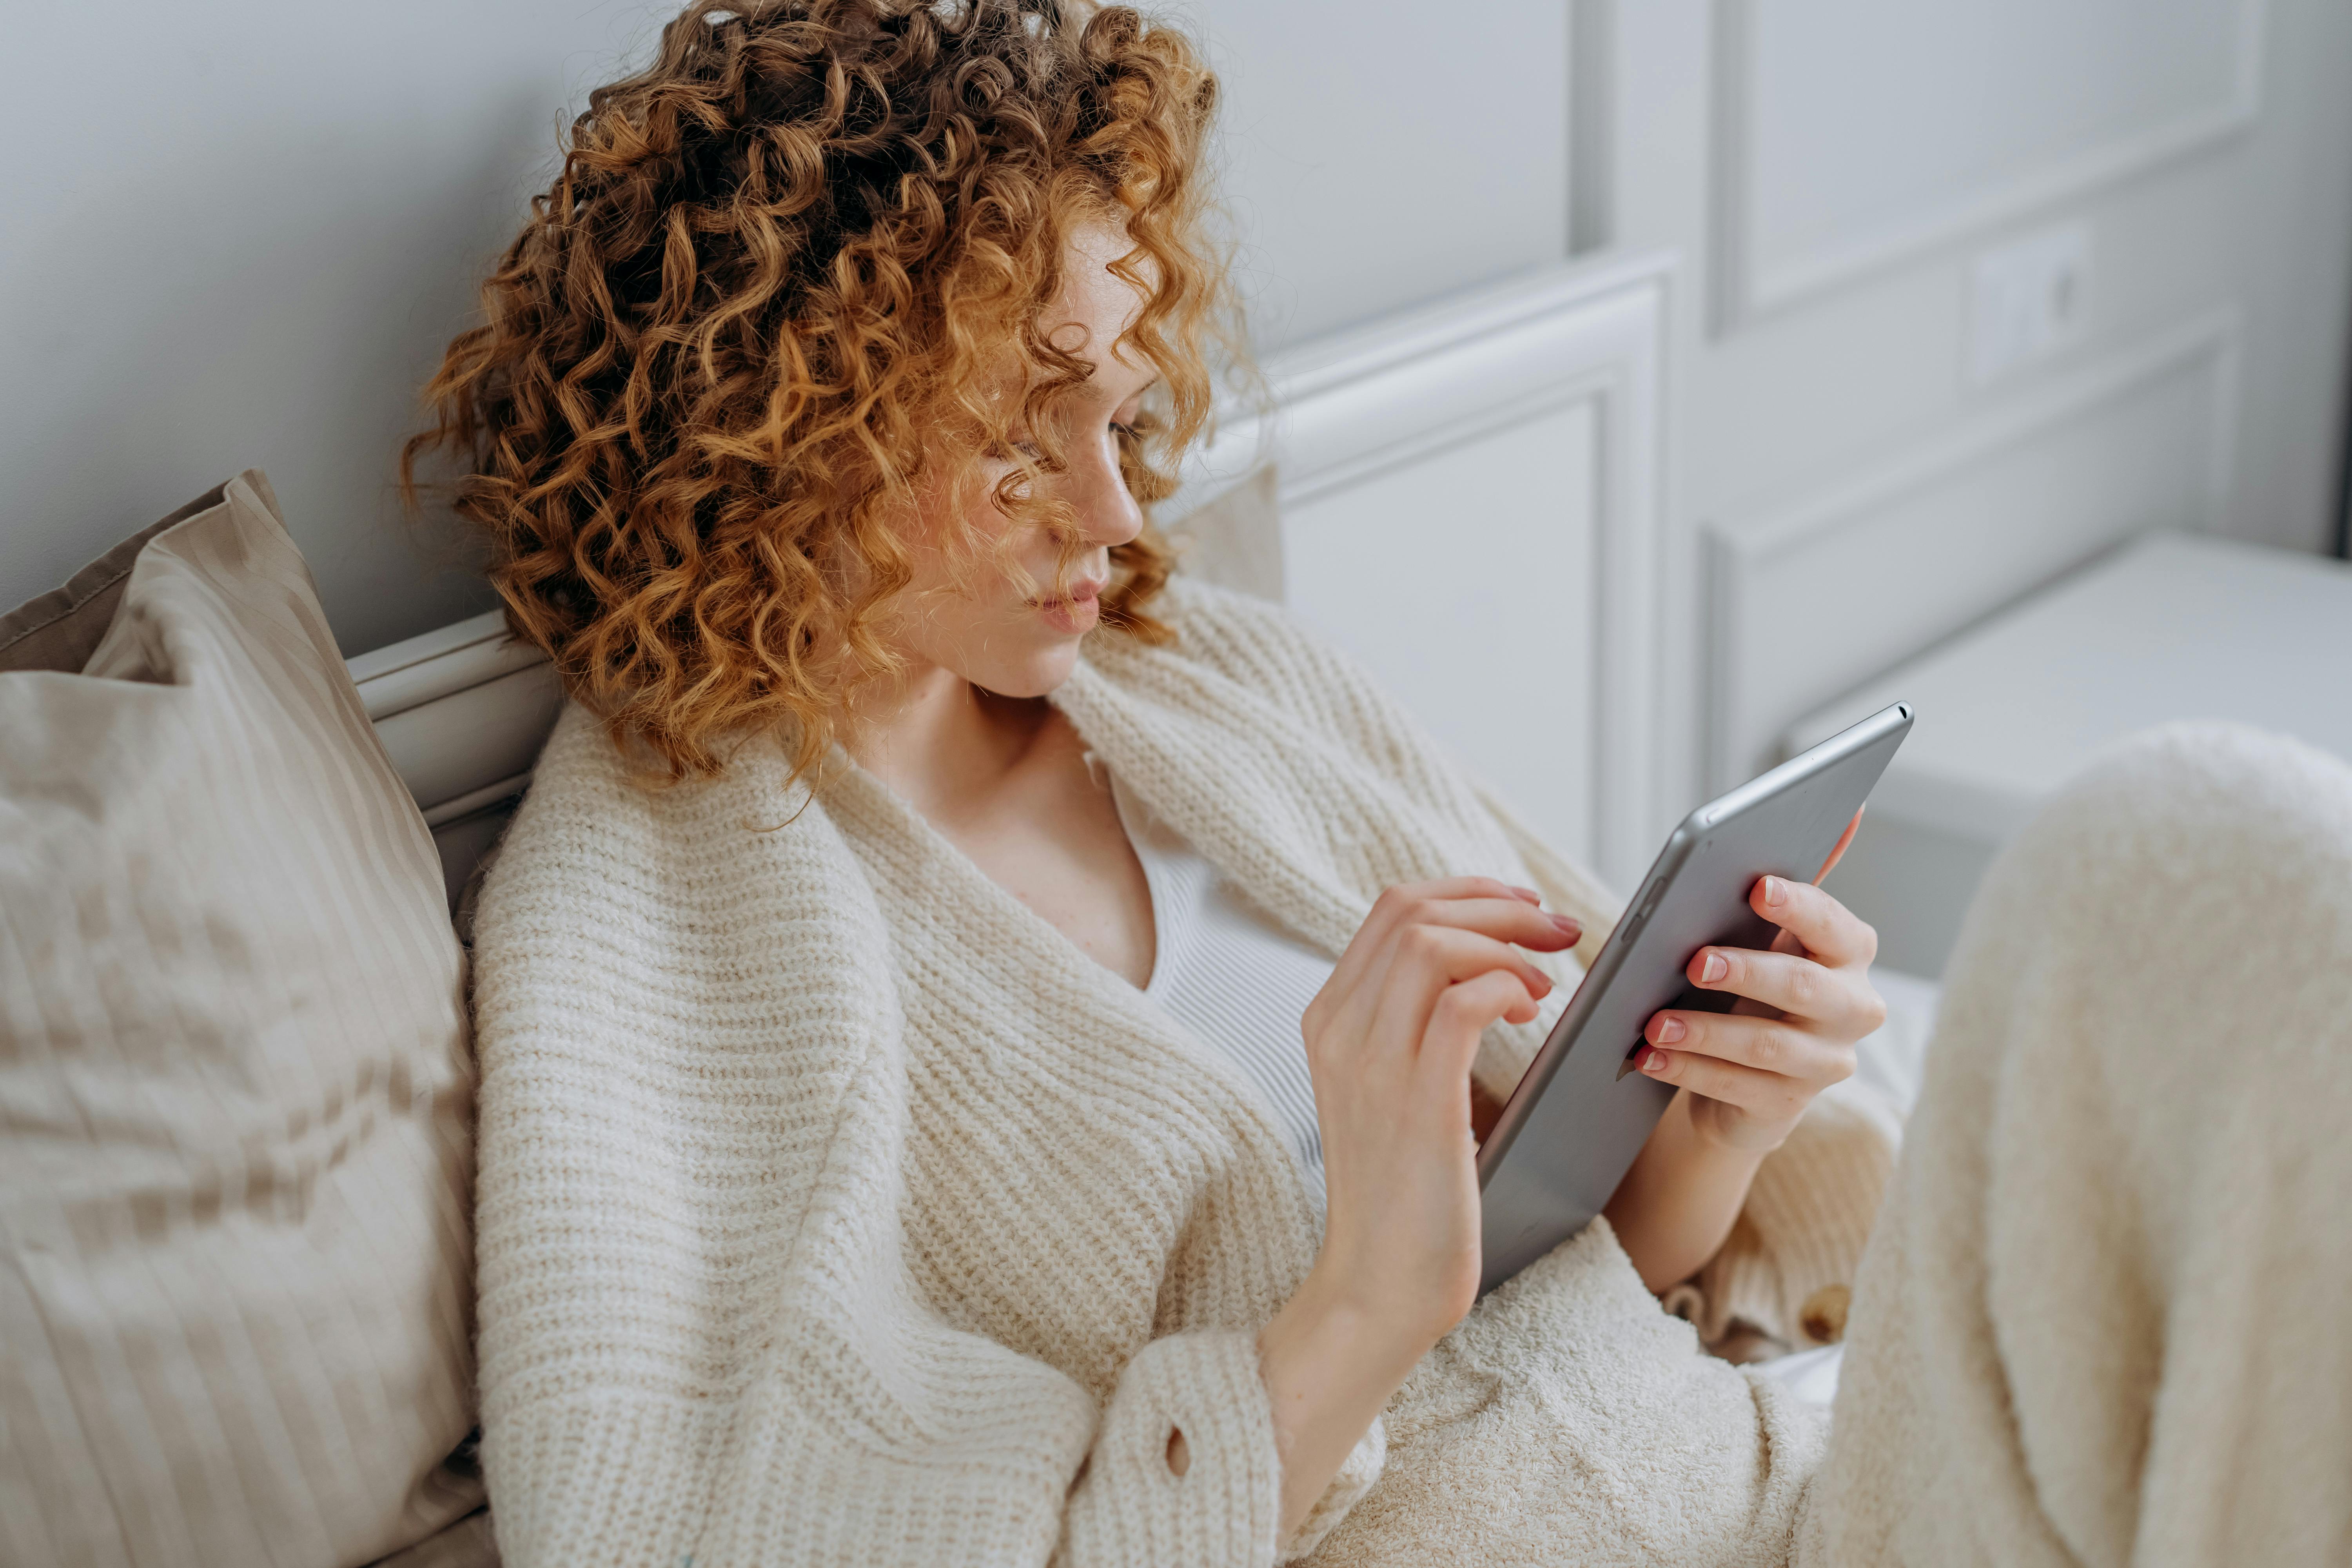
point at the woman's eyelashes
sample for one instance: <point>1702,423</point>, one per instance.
<point>1126,429</point>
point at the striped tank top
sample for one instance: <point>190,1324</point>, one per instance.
<point>1232,977</point>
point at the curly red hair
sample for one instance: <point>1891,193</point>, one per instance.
<point>780,274</point>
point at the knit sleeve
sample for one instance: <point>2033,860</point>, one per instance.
<point>1129,1507</point>
<point>1270,652</point>
<point>631,1417</point>
<point>638,1410</point>
<point>953,1450</point>
<point>700,1339</point>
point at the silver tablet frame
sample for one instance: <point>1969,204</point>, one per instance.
<point>1579,1115</point>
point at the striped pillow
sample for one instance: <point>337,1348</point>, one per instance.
<point>235,1090</point>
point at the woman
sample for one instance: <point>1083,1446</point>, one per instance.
<point>866,1173</point>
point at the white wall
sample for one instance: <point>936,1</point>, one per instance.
<point>254,248</point>
<point>1378,153</point>
<point>240,231</point>
<point>1845,493</point>
<point>239,234</point>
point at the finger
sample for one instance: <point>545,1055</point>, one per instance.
<point>1395,903</point>
<point>1768,1044</point>
<point>1472,903</point>
<point>1428,960</point>
<point>1400,905</point>
<point>1844,840</point>
<point>1829,930</point>
<point>1769,1096</point>
<point>1504,920</point>
<point>1460,1015</point>
<point>1366,951</point>
<point>1795,984</point>
<point>1350,997</point>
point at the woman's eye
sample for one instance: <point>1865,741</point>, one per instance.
<point>1127,430</point>
<point>1029,449</point>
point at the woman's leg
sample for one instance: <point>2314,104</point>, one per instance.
<point>2106,1313</point>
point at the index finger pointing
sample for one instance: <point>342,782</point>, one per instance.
<point>1829,930</point>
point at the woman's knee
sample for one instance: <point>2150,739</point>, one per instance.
<point>2188,889</point>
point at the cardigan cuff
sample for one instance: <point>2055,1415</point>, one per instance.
<point>1129,1507</point>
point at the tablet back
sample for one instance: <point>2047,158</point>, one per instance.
<point>1580,1115</point>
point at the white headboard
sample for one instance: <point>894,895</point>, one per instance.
<point>464,711</point>
<point>1469,497</point>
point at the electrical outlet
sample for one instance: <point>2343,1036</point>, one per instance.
<point>2033,299</point>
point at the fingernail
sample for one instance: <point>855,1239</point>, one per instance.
<point>1567,925</point>
<point>1715,968</point>
<point>1654,1062</point>
<point>1776,891</point>
<point>1530,894</point>
<point>1671,1030</point>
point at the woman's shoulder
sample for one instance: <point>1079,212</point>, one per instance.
<point>1259,646</point>
<point>1217,622</point>
<point>590,803</point>
<point>601,836</point>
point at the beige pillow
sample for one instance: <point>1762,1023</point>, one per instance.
<point>62,629</point>
<point>235,1088</point>
<point>1235,541</point>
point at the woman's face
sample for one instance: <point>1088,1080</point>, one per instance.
<point>984,626</point>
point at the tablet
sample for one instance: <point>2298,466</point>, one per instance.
<point>1580,1114</point>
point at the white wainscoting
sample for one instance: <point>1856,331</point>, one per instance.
<point>1467,581</point>
<point>1470,499</point>
<point>1853,134</point>
<point>1810,600</point>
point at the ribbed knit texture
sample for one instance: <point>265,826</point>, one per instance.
<point>1788,1269</point>
<point>834,1207</point>
<point>1237,981</point>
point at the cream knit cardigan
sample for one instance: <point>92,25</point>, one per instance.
<point>834,1208</point>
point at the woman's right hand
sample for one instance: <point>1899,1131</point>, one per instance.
<point>1389,1041</point>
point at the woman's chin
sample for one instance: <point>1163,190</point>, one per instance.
<point>1038,675</point>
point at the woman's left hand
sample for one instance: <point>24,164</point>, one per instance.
<point>1752,1071</point>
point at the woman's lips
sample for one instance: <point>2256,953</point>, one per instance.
<point>1076,612</point>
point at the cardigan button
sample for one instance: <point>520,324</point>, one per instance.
<point>1822,1317</point>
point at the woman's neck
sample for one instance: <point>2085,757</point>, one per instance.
<point>940,742</point>
<point>1006,781</point>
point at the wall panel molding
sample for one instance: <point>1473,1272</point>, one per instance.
<point>1747,283</point>
<point>1813,598</point>
<point>1406,392</point>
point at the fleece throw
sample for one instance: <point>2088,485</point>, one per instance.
<point>2103,1318</point>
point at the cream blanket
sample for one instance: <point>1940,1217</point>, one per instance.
<point>2104,1318</point>
<point>836,1208</point>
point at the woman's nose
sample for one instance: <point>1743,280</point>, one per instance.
<point>1107,512</point>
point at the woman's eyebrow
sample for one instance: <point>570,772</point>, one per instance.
<point>1093,393</point>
